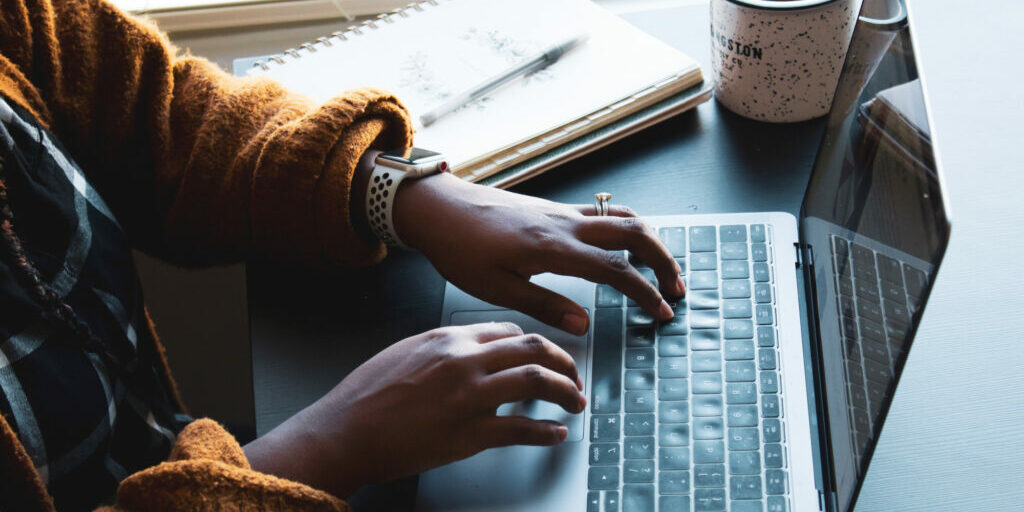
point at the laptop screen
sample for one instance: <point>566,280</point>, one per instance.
<point>876,222</point>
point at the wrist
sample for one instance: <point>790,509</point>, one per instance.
<point>414,213</point>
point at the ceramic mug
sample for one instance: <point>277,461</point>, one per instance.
<point>779,60</point>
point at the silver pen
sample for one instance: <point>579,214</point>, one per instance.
<point>536,63</point>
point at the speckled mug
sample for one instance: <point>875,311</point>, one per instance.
<point>779,60</point>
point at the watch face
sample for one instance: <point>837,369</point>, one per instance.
<point>411,156</point>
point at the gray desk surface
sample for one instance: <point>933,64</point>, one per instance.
<point>953,438</point>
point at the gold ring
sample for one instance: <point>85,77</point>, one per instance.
<point>601,201</point>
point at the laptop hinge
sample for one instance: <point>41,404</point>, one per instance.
<point>799,255</point>
<point>804,251</point>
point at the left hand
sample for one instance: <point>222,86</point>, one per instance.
<point>489,242</point>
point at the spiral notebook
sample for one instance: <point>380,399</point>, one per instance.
<point>619,80</point>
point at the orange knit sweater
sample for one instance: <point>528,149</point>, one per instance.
<point>200,168</point>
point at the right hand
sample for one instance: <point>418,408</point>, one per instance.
<point>421,403</point>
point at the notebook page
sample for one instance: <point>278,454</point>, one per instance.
<point>445,49</point>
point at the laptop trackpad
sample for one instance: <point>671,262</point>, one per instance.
<point>576,346</point>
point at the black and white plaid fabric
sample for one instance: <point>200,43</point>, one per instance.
<point>85,426</point>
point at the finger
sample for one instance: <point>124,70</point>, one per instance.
<point>531,382</point>
<point>529,349</point>
<point>614,210</point>
<point>616,234</point>
<point>497,431</point>
<point>490,331</point>
<point>612,268</point>
<point>545,305</point>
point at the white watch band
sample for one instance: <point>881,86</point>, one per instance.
<point>380,195</point>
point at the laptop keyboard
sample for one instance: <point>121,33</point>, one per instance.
<point>877,297</point>
<point>687,414</point>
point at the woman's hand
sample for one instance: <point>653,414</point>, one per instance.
<point>489,242</point>
<point>423,402</point>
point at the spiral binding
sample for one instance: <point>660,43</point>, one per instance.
<point>341,35</point>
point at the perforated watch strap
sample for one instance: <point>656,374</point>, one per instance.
<point>380,194</point>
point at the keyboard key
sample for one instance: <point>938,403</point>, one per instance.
<point>738,329</point>
<point>638,498</point>
<point>709,475</point>
<point>672,367</point>
<point>745,487</point>
<point>765,336</point>
<point>889,269</point>
<point>735,289</point>
<point>893,293</point>
<point>674,239</point>
<point>743,439</point>
<point>639,447</point>
<point>916,281</point>
<point>674,482</point>
<point>757,233</point>
<point>604,427</point>
<point>674,327</point>
<point>669,346</point>
<point>606,391</point>
<point>869,310</point>
<point>637,316</point>
<point>639,401</point>
<point>875,351</point>
<point>702,239</point>
<point>761,274</point>
<point>742,416</point>
<point>639,358</point>
<point>703,280</point>
<point>773,455</point>
<point>706,339</point>
<point>703,299</point>
<point>704,405</point>
<point>775,481</point>
<point>736,350</point>
<point>740,371</point>
<point>776,504</point>
<point>682,265</point>
<point>673,389</point>
<point>611,501</point>
<point>867,290</point>
<point>737,308</point>
<point>674,434</point>
<point>769,382</point>
<point>706,361</point>
<point>746,506</point>
<point>862,256</point>
<point>764,314</point>
<point>734,269</point>
<point>638,471</point>
<point>594,501</point>
<point>772,431</point>
<point>673,412</point>
<point>734,233</point>
<point>674,502</point>
<point>674,458</point>
<point>766,358</point>
<point>762,293</point>
<point>770,406</point>
<point>705,320</point>
<point>604,454</point>
<point>639,425</point>
<point>603,477</point>
<point>709,500</point>
<point>734,251</point>
<point>745,463</point>
<point>642,336</point>
<point>741,393</point>
<point>759,252</point>
<point>704,261</point>
<point>872,330</point>
<point>896,312</point>
<point>608,297</point>
<point>708,452</point>
<point>709,383</point>
<point>640,379</point>
<point>708,428</point>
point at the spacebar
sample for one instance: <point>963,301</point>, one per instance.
<point>606,395</point>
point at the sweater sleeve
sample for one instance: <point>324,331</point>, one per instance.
<point>199,167</point>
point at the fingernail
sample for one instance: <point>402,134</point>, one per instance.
<point>579,383</point>
<point>562,432</point>
<point>575,323</point>
<point>680,287</point>
<point>583,403</point>
<point>665,311</point>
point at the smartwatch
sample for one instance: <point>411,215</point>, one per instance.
<point>389,170</point>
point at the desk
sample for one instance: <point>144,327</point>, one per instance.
<point>949,443</point>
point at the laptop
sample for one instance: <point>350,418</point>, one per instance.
<point>770,387</point>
